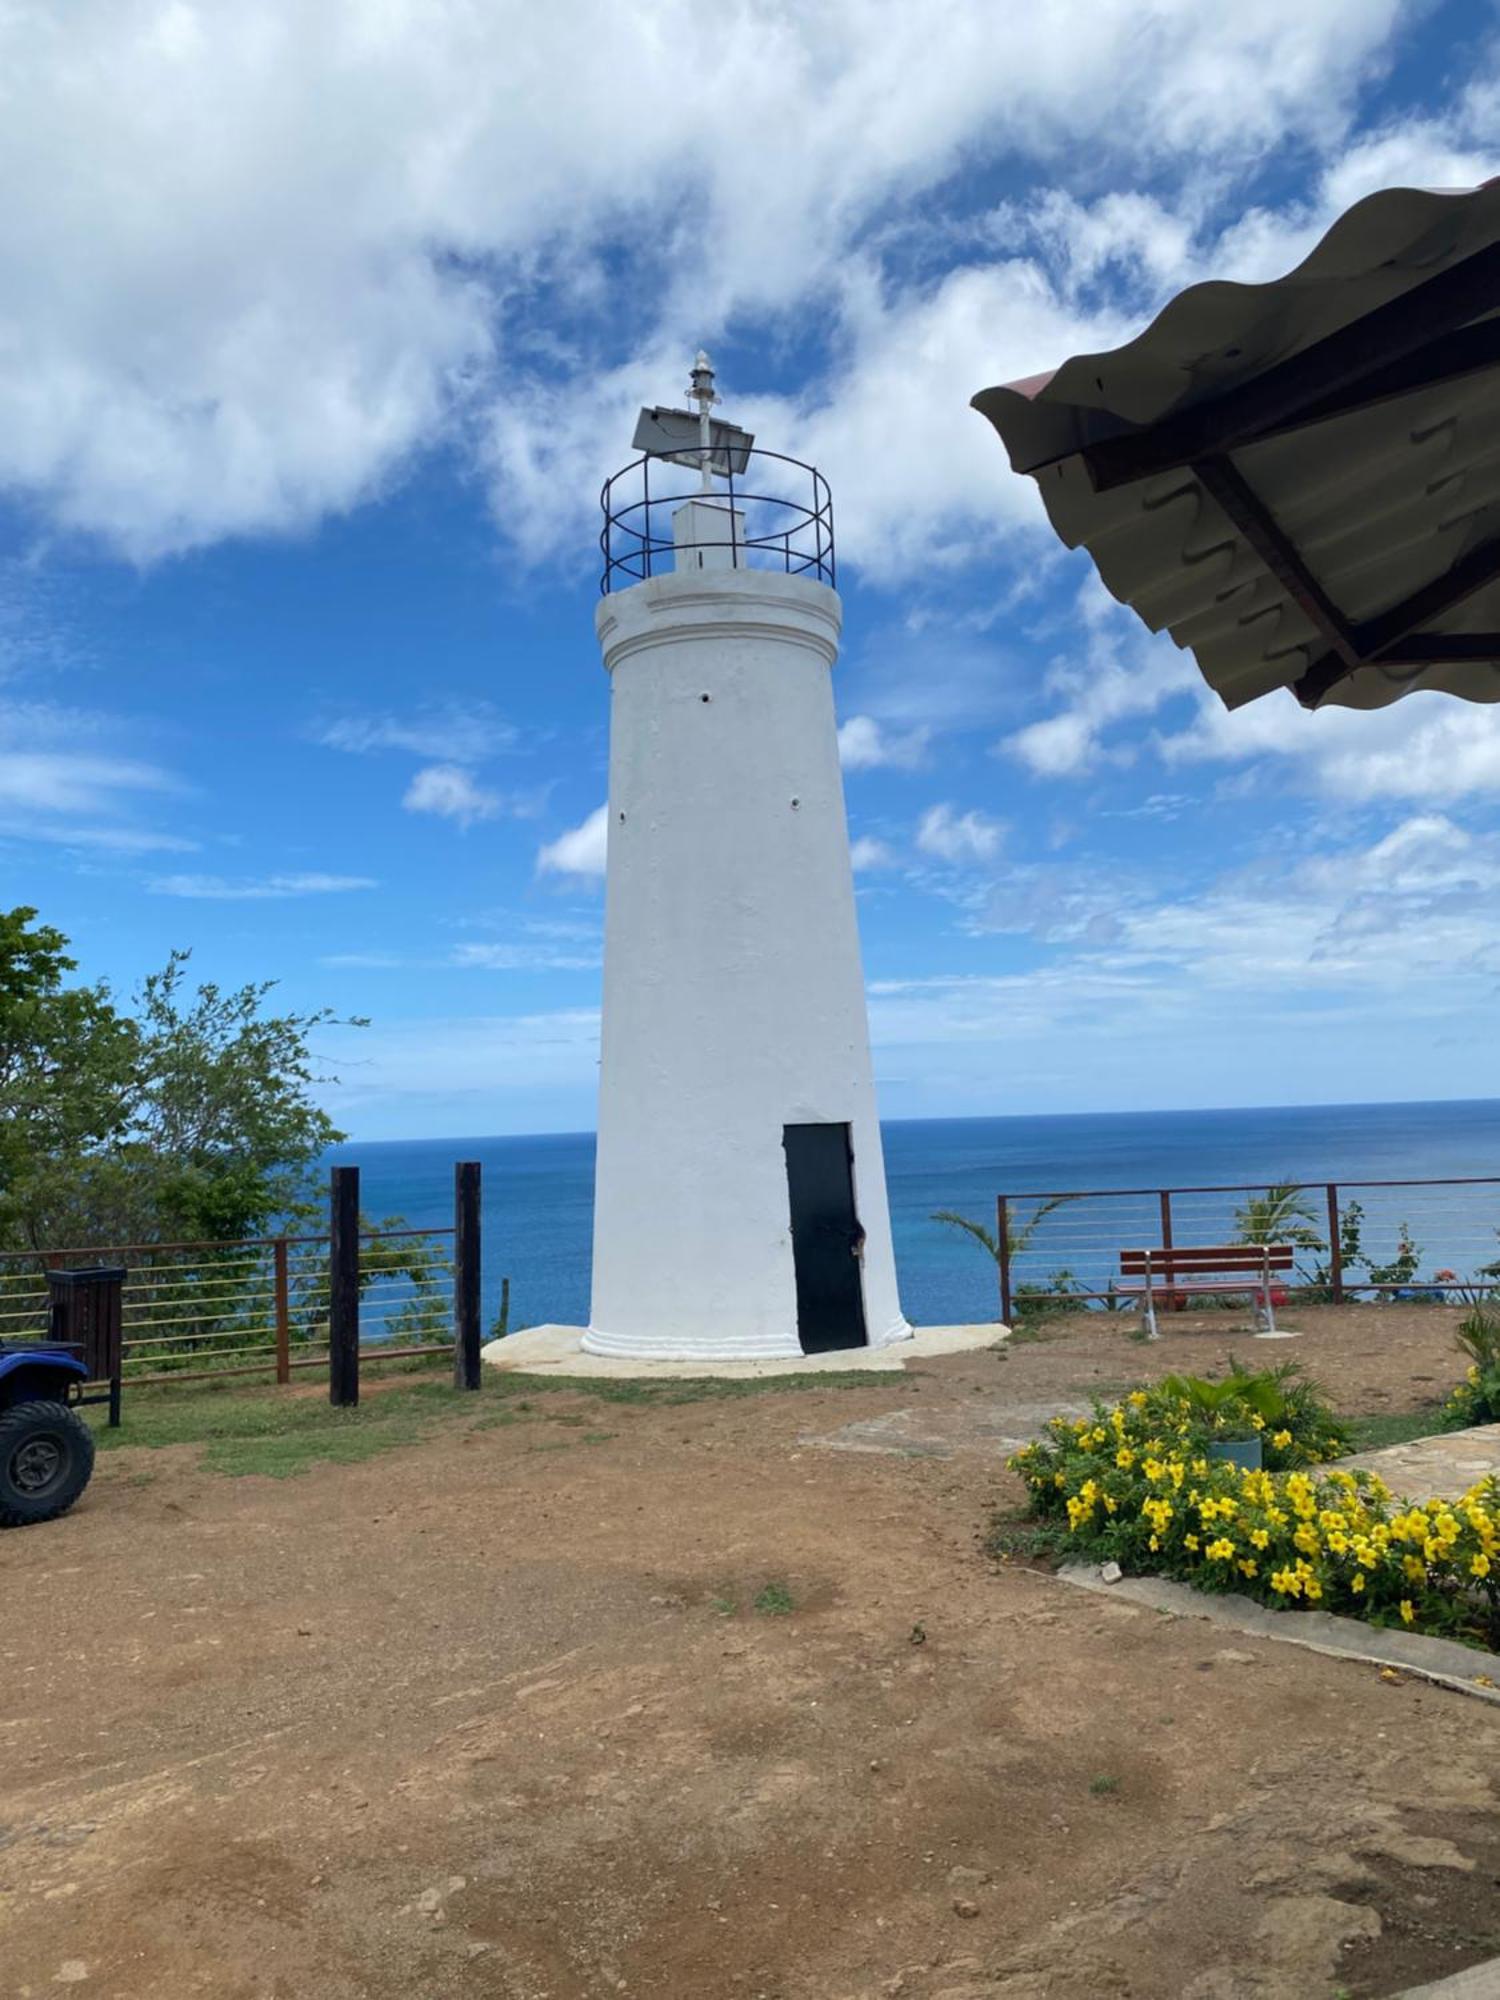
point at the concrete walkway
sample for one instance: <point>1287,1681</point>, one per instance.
<point>1434,1468</point>
<point>558,1350</point>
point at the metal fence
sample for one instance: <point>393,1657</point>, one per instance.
<point>1418,1239</point>
<point>254,1306</point>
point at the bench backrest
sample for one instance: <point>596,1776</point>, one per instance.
<point>1197,1261</point>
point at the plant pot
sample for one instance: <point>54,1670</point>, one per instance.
<point>1244,1452</point>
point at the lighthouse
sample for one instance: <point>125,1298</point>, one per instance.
<point>740,1208</point>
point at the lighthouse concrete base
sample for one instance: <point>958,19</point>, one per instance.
<point>559,1350</point>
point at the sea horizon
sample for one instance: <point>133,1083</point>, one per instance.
<point>538,1189</point>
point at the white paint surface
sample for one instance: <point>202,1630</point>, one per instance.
<point>733,996</point>
<point>559,1352</point>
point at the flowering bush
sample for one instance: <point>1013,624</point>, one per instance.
<point>1135,1484</point>
<point>1476,1400</point>
<point>1279,1405</point>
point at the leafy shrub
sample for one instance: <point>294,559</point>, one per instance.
<point>1136,1486</point>
<point>1280,1405</point>
<point>1476,1400</point>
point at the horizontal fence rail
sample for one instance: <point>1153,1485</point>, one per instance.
<point>1375,1239</point>
<point>251,1307</point>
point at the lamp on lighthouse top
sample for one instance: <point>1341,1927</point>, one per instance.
<point>746,508</point>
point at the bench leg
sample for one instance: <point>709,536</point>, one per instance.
<point>1149,1309</point>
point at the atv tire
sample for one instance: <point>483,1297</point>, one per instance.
<point>46,1457</point>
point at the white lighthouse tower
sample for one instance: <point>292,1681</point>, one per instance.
<point>740,1205</point>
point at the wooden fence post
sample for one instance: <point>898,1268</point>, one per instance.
<point>1002,1243</point>
<point>343,1287</point>
<point>1335,1247</point>
<point>283,1314</point>
<point>466,1269</point>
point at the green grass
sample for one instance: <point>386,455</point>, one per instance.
<point>1373,1432</point>
<point>274,1433</point>
<point>775,1601</point>
<point>1102,1787</point>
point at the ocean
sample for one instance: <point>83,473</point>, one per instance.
<point>538,1192</point>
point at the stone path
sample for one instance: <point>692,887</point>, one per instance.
<point>944,1430</point>
<point>1435,1467</point>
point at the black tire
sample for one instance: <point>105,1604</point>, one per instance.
<point>46,1458</point>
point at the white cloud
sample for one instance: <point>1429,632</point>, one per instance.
<point>76,797</point>
<point>580,851</point>
<point>450,792</point>
<point>958,837</point>
<point>525,957</point>
<point>216,888</point>
<point>1429,746</point>
<point>864,745</point>
<point>302,245</point>
<point>454,733</point>
<point>868,853</point>
<point>1117,671</point>
<point>56,781</point>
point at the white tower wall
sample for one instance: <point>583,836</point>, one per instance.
<point>734,1003</point>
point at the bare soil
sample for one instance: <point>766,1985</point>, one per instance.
<point>521,1712</point>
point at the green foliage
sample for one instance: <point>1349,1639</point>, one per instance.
<point>1032,1297</point>
<point>1135,1484</point>
<point>1280,1405</point>
<point>67,1065</point>
<point>1280,1215</point>
<point>1476,1400</point>
<point>1403,1267</point>
<point>775,1601</point>
<point>190,1120</point>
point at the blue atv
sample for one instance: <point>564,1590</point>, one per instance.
<point>46,1448</point>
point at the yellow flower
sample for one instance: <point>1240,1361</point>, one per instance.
<point>1311,1585</point>
<point>1248,1565</point>
<point>1138,1397</point>
<point>1281,1439</point>
<point>1154,1544</point>
<point>1190,1542</point>
<point>1357,1581</point>
<point>1257,1420</point>
<point>1260,1538</point>
<point>1125,1457</point>
<point>1408,1611</point>
<point>1479,1565</point>
<point>1220,1551</point>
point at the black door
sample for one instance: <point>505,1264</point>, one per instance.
<point>826,1237</point>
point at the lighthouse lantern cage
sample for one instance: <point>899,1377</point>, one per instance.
<point>790,529</point>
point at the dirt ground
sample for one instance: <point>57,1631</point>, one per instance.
<point>691,1702</point>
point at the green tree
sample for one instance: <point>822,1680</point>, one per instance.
<point>68,1068</point>
<point>193,1120</point>
<point>1280,1215</point>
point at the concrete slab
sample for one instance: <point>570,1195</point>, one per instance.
<point>1463,1668</point>
<point>1479,1982</point>
<point>1434,1468</point>
<point>558,1350</point>
<point>980,1425</point>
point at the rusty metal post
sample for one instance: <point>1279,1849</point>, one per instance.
<point>1002,1244</point>
<point>1335,1247</point>
<point>283,1314</point>
<point>1169,1298</point>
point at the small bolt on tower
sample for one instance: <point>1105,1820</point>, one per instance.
<point>740,1204</point>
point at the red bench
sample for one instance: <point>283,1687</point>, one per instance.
<point>1249,1269</point>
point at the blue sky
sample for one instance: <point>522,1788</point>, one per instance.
<point>320,329</point>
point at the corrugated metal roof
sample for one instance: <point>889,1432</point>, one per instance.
<point>1280,523</point>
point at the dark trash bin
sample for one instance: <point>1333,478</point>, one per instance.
<point>86,1310</point>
